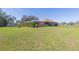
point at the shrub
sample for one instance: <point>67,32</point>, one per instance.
<point>18,25</point>
<point>27,24</point>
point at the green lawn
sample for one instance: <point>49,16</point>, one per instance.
<point>44,38</point>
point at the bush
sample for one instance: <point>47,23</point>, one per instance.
<point>18,25</point>
<point>27,24</point>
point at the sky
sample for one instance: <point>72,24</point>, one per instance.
<point>57,14</point>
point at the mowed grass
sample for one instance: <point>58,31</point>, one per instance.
<point>60,38</point>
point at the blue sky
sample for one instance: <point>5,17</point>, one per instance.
<point>58,14</point>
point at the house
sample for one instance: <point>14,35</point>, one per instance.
<point>46,22</point>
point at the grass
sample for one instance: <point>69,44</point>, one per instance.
<point>60,38</point>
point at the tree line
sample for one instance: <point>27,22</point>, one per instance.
<point>9,20</point>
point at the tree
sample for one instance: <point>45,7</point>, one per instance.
<point>71,23</point>
<point>11,20</point>
<point>3,20</point>
<point>6,20</point>
<point>32,18</point>
<point>24,18</point>
<point>28,18</point>
<point>18,22</point>
<point>64,23</point>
